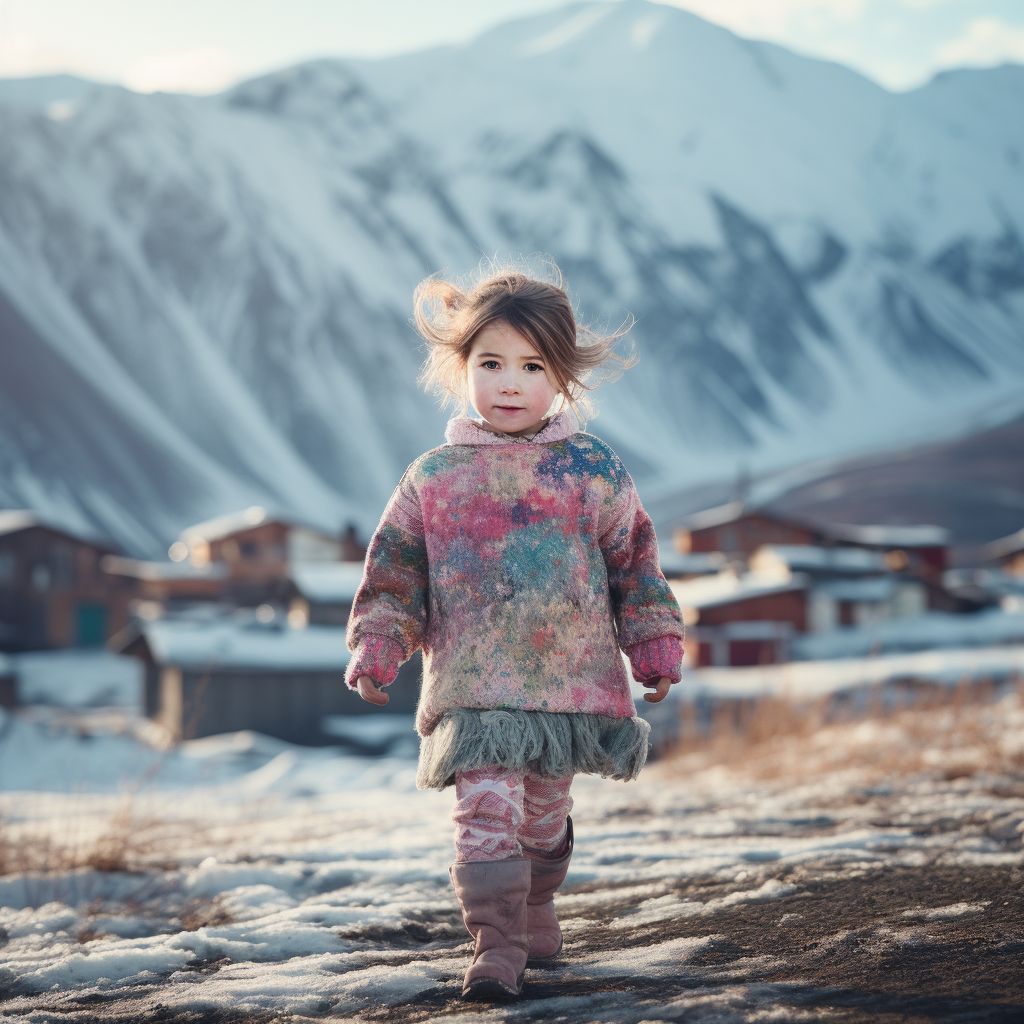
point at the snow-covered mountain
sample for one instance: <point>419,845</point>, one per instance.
<point>205,302</point>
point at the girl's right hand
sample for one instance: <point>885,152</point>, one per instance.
<point>370,691</point>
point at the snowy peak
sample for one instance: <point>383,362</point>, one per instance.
<point>817,267</point>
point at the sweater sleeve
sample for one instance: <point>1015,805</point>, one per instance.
<point>657,659</point>
<point>644,607</point>
<point>389,613</point>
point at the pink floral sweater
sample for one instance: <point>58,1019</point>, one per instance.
<point>521,567</point>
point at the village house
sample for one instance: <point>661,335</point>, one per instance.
<point>225,674</point>
<point>53,591</point>
<point>747,619</point>
<point>257,552</point>
<point>786,579</point>
<point>165,585</point>
<point>737,531</point>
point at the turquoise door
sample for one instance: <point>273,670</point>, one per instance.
<point>91,625</point>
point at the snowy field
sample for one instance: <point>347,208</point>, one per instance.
<point>867,871</point>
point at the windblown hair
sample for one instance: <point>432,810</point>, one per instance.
<point>449,318</point>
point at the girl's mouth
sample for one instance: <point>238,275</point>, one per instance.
<point>509,408</point>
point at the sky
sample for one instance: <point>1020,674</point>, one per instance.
<point>203,46</point>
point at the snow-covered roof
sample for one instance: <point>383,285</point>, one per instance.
<point>327,582</point>
<point>871,588</point>
<point>224,526</point>
<point>923,536</point>
<point>716,516</point>
<point>728,588</point>
<point>922,632</point>
<point>227,644</point>
<point>15,519</point>
<point>115,565</point>
<point>694,564</point>
<point>1005,546</point>
<point>809,558</point>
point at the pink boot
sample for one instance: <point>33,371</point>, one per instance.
<point>546,875</point>
<point>492,895</point>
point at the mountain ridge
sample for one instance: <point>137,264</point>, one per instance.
<point>244,263</point>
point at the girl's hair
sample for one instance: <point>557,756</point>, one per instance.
<point>449,318</point>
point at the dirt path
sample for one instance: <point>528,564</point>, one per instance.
<point>706,892</point>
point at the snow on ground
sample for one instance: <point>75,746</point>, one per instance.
<point>867,868</point>
<point>78,678</point>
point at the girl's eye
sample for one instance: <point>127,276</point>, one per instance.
<point>491,364</point>
<point>534,366</point>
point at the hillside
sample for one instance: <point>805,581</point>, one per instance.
<point>205,302</point>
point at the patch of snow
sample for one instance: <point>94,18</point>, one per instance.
<point>327,581</point>
<point>932,631</point>
<point>954,910</point>
<point>78,678</point>
<point>223,643</point>
<point>804,680</point>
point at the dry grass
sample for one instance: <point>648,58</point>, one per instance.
<point>920,727</point>
<point>125,844</point>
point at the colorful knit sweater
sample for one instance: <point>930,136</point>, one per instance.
<point>520,567</point>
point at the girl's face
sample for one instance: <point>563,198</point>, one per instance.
<point>508,380</point>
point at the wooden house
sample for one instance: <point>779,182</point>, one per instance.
<point>169,583</point>
<point>742,620</point>
<point>225,674</point>
<point>737,531</point>
<point>753,617</point>
<point>848,586</point>
<point>53,591</point>
<point>257,550</point>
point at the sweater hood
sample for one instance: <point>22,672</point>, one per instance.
<point>464,430</point>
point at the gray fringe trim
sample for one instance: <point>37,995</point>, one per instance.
<point>548,743</point>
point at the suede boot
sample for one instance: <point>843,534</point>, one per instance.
<point>546,875</point>
<point>492,895</point>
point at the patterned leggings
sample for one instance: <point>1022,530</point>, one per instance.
<point>499,811</point>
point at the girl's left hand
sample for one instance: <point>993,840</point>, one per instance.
<point>660,689</point>
<point>370,691</point>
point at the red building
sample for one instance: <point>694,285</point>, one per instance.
<point>787,578</point>
<point>742,620</point>
<point>737,531</point>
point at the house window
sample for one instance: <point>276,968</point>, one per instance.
<point>8,566</point>
<point>40,576</point>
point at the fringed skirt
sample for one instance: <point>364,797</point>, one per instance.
<point>545,742</point>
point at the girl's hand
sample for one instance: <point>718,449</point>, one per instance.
<point>661,689</point>
<point>368,690</point>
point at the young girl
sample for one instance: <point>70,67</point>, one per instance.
<point>519,558</point>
